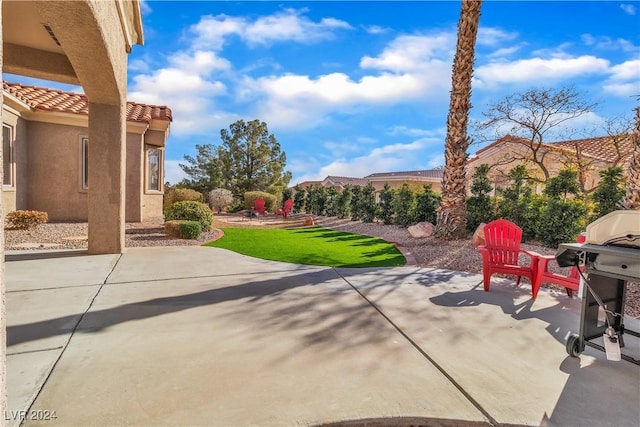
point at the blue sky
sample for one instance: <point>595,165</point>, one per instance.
<point>353,88</point>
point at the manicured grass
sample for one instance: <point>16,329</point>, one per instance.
<point>311,246</point>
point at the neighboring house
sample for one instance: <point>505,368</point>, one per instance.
<point>394,179</point>
<point>45,154</point>
<point>588,156</point>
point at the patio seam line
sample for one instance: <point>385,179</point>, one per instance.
<point>66,344</point>
<point>18,353</point>
<point>459,387</point>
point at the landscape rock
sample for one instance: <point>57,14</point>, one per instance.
<point>309,221</point>
<point>478,235</point>
<point>422,229</point>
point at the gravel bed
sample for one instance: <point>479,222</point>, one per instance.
<point>458,255</point>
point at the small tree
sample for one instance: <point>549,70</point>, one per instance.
<point>610,191</point>
<point>220,198</point>
<point>331,200</point>
<point>479,207</point>
<point>355,203</point>
<point>403,203</point>
<point>516,200</point>
<point>367,203</point>
<point>426,205</point>
<point>563,218</point>
<point>343,203</point>
<point>385,207</point>
<point>298,199</point>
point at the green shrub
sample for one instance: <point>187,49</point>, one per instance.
<point>561,221</point>
<point>426,204</point>
<point>356,191</point>
<point>179,195</point>
<point>343,203</point>
<point>190,211</point>
<point>190,229</point>
<point>331,202</point>
<point>479,205</point>
<point>563,217</point>
<point>250,198</point>
<point>367,203</point>
<point>298,199</point>
<point>183,229</point>
<point>404,204</point>
<point>26,220</point>
<point>609,192</point>
<point>385,206</point>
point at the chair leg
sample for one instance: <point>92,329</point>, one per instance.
<point>487,280</point>
<point>569,292</point>
<point>518,281</point>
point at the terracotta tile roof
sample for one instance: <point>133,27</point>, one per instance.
<point>67,102</point>
<point>602,148</point>
<point>432,173</point>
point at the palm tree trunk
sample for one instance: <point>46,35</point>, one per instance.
<point>451,214</point>
<point>631,200</point>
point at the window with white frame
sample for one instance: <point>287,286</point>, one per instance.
<point>7,156</point>
<point>154,169</point>
<point>84,168</point>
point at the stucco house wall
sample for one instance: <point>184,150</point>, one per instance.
<point>48,156</point>
<point>507,153</point>
<point>54,183</point>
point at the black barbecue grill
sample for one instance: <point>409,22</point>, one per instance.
<point>611,257</point>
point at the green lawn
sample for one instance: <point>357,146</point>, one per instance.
<point>311,246</point>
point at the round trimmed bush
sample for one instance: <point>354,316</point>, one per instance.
<point>190,211</point>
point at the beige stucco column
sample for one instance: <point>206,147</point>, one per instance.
<point>107,145</point>
<point>94,43</point>
<point>3,306</point>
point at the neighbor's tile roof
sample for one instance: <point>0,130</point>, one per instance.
<point>432,173</point>
<point>345,180</point>
<point>45,99</point>
<point>602,147</point>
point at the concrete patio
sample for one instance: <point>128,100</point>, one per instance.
<point>203,336</point>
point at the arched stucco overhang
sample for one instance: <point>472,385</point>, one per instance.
<point>81,42</point>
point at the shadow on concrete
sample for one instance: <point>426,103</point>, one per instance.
<point>588,387</point>
<point>321,313</point>
<point>555,316</point>
<point>36,255</point>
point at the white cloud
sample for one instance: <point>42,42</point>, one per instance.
<point>145,8</point>
<point>488,36</point>
<point>405,131</point>
<point>413,52</point>
<point>505,51</point>
<point>287,25</point>
<point>608,43</point>
<point>376,29</point>
<point>539,70</point>
<point>300,101</point>
<point>199,62</point>
<point>625,79</point>
<point>629,9</point>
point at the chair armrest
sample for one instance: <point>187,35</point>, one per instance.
<point>532,254</point>
<point>544,260</point>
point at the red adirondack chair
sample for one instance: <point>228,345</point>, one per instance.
<point>286,209</point>
<point>501,251</point>
<point>543,275</point>
<point>259,207</point>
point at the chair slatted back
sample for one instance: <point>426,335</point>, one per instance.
<point>502,239</point>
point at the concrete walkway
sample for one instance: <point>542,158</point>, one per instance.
<point>203,336</point>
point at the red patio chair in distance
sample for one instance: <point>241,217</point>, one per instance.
<point>286,209</point>
<point>543,275</point>
<point>258,206</point>
<point>501,251</point>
